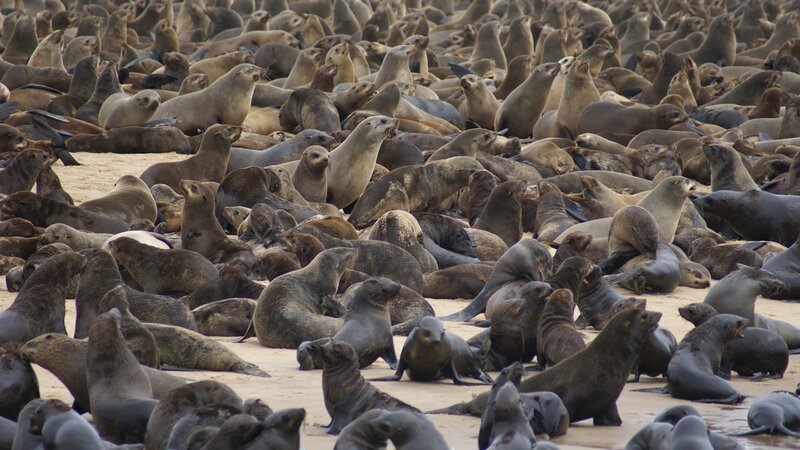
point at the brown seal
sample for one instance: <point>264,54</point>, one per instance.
<point>310,177</point>
<point>502,214</point>
<point>623,337</point>
<point>208,164</point>
<point>279,323</point>
<point>347,394</point>
<point>130,200</point>
<point>39,307</point>
<point>19,384</point>
<point>720,260</point>
<point>43,212</point>
<point>551,216</point>
<point>523,106</point>
<point>228,317</point>
<point>402,229</point>
<point>367,325</point>
<point>23,171</point>
<point>130,140</point>
<point>691,374</point>
<point>107,84</point>
<point>120,393</point>
<point>162,271</point>
<point>309,108</point>
<point>226,100</point>
<point>557,337</point>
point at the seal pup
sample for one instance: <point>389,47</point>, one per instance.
<point>39,307</point>
<point>502,215</point>
<point>367,326</point>
<point>123,110</point>
<point>557,338</point>
<point>510,428</point>
<point>691,374</point>
<point>23,171</point>
<point>431,353</point>
<point>775,413</point>
<point>130,200</point>
<point>690,432</point>
<point>402,229</point>
<point>310,177</point>
<point>407,430</point>
<point>208,164</point>
<point>120,393</point>
<point>61,427</point>
<point>347,394</point>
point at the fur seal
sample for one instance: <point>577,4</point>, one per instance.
<point>176,271</point>
<point>123,110</point>
<point>431,353</point>
<point>347,394</point>
<point>775,413</point>
<point>412,188</point>
<point>307,289</point>
<point>502,214</point>
<point>226,100</point>
<point>758,351</point>
<point>691,374</point>
<point>366,327</point>
<point>690,432</point>
<point>309,108</point>
<point>39,306</point>
<point>525,261</point>
<point>130,200</point>
<point>208,164</point>
<point>23,171</point>
<point>228,317</point>
<point>402,229</point>
<point>784,267</point>
<point>18,384</point>
<point>310,177</point>
<point>557,337</point>
<point>120,393</point>
<point>43,212</point>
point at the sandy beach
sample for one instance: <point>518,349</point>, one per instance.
<point>289,387</point>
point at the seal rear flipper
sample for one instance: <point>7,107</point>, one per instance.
<point>459,409</point>
<point>249,369</point>
<point>251,331</point>
<point>575,210</point>
<point>657,390</point>
<point>760,430</point>
<point>608,418</point>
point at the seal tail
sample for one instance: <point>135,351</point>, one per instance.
<point>251,331</point>
<point>459,409</point>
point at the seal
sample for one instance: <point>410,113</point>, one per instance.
<point>60,426</point>
<point>130,201</point>
<point>149,307</point>
<point>430,353</point>
<point>39,306</point>
<point>208,164</point>
<point>360,434</point>
<point>523,106</point>
<point>597,118</point>
<point>551,217</point>
<point>309,108</point>
<point>775,413</point>
<point>18,384</point>
<point>691,374</point>
<point>510,427</point>
<point>727,170</point>
<point>187,349</point>
<point>161,271</point>
<point>202,233</point>
<point>406,305</point>
<point>407,429</point>
<point>784,267</point>
<point>107,84</point>
<point>720,260</point>
<point>310,177</point>
<point>412,188</point>
<point>228,317</point>
<point>347,394</point>
<point>291,309</point>
<point>23,171</point>
<point>183,401</point>
<point>123,110</point>
<point>690,432</point>
<point>737,292</point>
<point>99,275</point>
<point>525,261</point>
<point>461,281</point>
<point>402,229</point>
<point>354,160</point>
<point>43,212</point>
<point>758,351</point>
<point>237,431</point>
<point>225,101</point>
<point>502,214</point>
<point>131,140</point>
<point>120,393</point>
<point>367,325</point>
<point>625,334</point>
<point>557,338</point>
<point>231,283</point>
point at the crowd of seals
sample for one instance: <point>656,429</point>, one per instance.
<point>341,162</point>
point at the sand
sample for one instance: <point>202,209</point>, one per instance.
<point>289,387</point>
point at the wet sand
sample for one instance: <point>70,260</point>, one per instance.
<point>289,387</point>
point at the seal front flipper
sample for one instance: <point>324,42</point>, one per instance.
<point>608,418</point>
<point>338,422</point>
<point>656,390</point>
<point>251,331</point>
<point>452,373</point>
<point>390,355</point>
<point>398,375</point>
<point>616,260</point>
<point>475,307</point>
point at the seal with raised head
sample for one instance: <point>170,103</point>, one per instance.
<point>120,393</point>
<point>39,306</point>
<point>557,338</point>
<point>430,353</point>
<point>347,394</point>
<point>208,164</point>
<point>292,308</point>
<point>310,177</point>
<point>367,326</point>
<point>691,374</point>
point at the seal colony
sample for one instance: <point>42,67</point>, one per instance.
<point>560,166</point>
